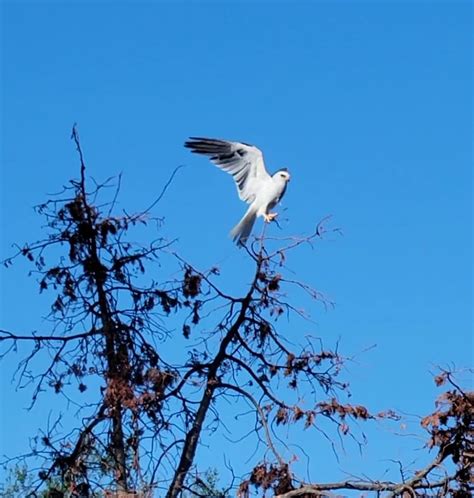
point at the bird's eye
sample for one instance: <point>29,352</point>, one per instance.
<point>282,175</point>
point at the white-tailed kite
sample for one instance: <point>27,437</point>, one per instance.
<point>254,185</point>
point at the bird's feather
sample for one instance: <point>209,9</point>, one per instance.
<point>241,232</point>
<point>244,162</point>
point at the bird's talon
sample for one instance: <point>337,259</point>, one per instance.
<point>270,217</point>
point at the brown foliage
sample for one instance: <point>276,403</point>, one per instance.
<point>451,430</point>
<point>264,477</point>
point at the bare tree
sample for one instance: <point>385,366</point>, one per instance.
<point>105,322</point>
<point>450,431</point>
<point>110,322</point>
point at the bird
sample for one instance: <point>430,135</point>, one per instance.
<point>255,185</point>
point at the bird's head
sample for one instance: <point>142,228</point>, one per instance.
<point>283,174</point>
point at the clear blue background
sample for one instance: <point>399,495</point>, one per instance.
<point>367,103</point>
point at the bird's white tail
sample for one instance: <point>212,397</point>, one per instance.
<point>240,233</point>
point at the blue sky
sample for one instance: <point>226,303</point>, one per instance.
<point>367,103</point>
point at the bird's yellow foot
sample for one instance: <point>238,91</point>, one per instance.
<point>269,217</point>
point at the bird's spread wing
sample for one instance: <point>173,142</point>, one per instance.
<point>244,162</point>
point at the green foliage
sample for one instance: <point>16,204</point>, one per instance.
<point>22,483</point>
<point>208,486</point>
<point>19,484</point>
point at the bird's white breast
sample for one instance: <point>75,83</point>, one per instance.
<point>269,194</point>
